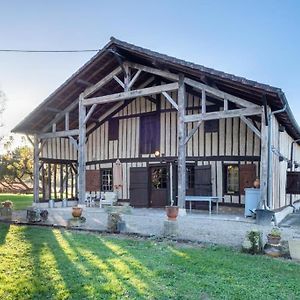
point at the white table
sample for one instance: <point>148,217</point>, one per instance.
<point>208,199</point>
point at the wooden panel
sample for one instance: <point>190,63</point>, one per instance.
<point>139,187</point>
<point>247,176</point>
<point>92,180</point>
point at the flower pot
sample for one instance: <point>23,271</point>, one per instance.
<point>273,239</point>
<point>76,212</point>
<point>172,212</point>
<point>7,204</point>
<point>294,246</point>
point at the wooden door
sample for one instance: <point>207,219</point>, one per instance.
<point>158,186</point>
<point>203,185</point>
<point>138,190</point>
<point>247,176</point>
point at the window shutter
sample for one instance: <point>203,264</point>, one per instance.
<point>113,129</point>
<point>139,187</point>
<point>247,177</point>
<point>92,180</point>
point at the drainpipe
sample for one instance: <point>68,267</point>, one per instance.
<point>291,168</point>
<point>270,157</point>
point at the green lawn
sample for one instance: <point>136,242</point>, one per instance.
<point>42,263</point>
<point>21,201</point>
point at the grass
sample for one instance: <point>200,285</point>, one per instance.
<point>21,201</point>
<point>44,263</point>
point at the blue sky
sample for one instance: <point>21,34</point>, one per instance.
<point>255,39</point>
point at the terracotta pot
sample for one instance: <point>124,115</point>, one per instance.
<point>256,183</point>
<point>273,240</point>
<point>76,212</point>
<point>172,212</point>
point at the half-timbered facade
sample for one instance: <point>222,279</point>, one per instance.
<point>177,128</point>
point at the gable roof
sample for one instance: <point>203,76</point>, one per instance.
<point>105,61</point>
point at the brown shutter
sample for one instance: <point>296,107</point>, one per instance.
<point>139,187</point>
<point>92,180</point>
<point>247,177</point>
<point>203,186</point>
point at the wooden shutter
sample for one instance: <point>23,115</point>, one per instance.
<point>203,186</point>
<point>149,133</point>
<point>113,129</point>
<point>247,176</point>
<point>293,183</point>
<point>138,190</point>
<point>92,180</point>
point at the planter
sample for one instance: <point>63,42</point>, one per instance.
<point>7,204</point>
<point>294,246</point>
<point>76,212</point>
<point>264,216</point>
<point>172,212</point>
<point>273,239</point>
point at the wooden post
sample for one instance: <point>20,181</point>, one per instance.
<point>36,170</point>
<point>264,161</point>
<point>81,151</point>
<point>181,144</point>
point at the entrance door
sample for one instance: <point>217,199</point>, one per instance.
<point>203,186</point>
<point>139,187</point>
<point>158,186</point>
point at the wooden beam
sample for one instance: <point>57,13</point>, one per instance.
<point>73,142</point>
<point>36,169</point>
<point>132,94</point>
<point>181,144</point>
<point>263,161</point>
<point>119,81</point>
<point>251,126</point>
<point>134,79</point>
<point>89,113</point>
<point>192,132</point>
<point>250,111</point>
<point>57,134</point>
<point>52,109</point>
<point>54,127</point>
<point>218,93</point>
<point>81,151</point>
<point>203,102</point>
<point>92,89</point>
<point>154,71</point>
<point>67,120</point>
<point>169,98</point>
<point>61,115</point>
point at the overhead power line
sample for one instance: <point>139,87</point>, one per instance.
<point>47,51</point>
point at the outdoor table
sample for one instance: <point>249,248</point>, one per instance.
<point>209,199</point>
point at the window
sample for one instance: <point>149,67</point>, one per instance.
<point>190,177</point>
<point>113,129</point>
<point>106,180</point>
<point>231,179</point>
<point>149,133</point>
<point>159,178</point>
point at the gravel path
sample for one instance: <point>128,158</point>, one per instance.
<point>221,229</point>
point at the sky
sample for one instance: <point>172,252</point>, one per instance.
<point>259,40</point>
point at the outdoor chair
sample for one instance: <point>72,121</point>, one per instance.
<point>110,198</point>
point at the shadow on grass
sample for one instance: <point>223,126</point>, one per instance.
<point>53,267</point>
<point>4,229</point>
<point>119,263</point>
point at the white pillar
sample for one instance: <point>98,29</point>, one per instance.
<point>181,144</point>
<point>81,152</point>
<point>36,169</point>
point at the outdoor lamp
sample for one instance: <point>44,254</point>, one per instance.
<point>157,153</point>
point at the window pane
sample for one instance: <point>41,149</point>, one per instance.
<point>106,180</point>
<point>232,179</point>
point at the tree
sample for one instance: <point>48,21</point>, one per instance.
<point>16,169</point>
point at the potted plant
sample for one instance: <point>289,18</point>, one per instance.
<point>76,211</point>
<point>172,211</point>
<point>7,204</point>
<point>274,236</point>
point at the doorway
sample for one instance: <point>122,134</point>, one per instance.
<point>158,186</point>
